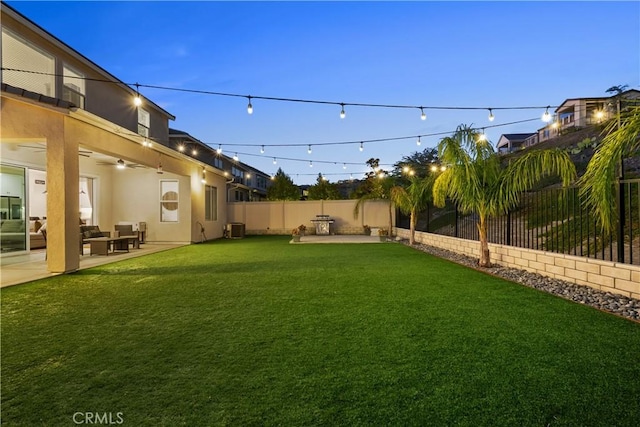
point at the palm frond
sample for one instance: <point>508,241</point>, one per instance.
<point>621,140</point>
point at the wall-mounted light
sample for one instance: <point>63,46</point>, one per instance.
<point>120,164</point>
<point>194,152</point>
<point>181,148</point>
<point>159,170</point>
<point>137,101</point>
<point>204,176</point>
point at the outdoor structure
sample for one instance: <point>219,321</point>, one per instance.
<point>76,149</point>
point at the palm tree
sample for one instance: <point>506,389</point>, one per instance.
<point>476,180</point>
<point>621,140</point>
<point>413,199</point>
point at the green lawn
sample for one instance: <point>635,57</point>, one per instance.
<point>261,332</point>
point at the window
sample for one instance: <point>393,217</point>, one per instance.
<point>143,122</point>
<point>168,201</point>
<point>210,203</point>
<point>217,162</point>
<point>73,87</point>
<point>19,54</point>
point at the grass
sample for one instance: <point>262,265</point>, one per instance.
<point>260,332</point>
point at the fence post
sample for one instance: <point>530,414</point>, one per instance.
<point>509,228</point>
<point>455,231</point>
<point>620,202</point>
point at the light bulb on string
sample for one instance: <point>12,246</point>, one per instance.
<point>262,149</point>
<point>482,136</point>
<point>361,146</point>
<point>418,142</point>
<point>546,117</point>
<point>342,113</point>
<point>309,149</point>
<point>423,115</point>
<point>491,116</point>
<point>344,166</point>
<point>235,157</point>
<point>219,150</point>
<point>310,164</point>
<point>249,106</point>
<point>137,101</point>
<point>274,161</point>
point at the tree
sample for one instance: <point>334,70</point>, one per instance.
<point>413,199</point>
<point>323,190</point>
<point>476,181</point>
<point>419,162</point>
<point>376,186</point>
<point>282,188</point>
<point>622,139</point>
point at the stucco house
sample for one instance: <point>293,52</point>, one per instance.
<point>76,148</point>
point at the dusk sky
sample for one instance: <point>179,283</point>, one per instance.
<point>431,54</point>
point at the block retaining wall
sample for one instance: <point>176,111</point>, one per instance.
<point>623,279</point>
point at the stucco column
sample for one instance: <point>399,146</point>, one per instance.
<point>63,206</point>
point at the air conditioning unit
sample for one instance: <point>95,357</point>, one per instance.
<point>235,230</point>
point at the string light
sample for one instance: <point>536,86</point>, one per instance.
<point>546,117</point>
<point>418,142</point>
<point>310,164</point>
<point>361,146</point>
<point>342,113</point>
<point>491,116</point>
<point>249,107</point>
<point>309,149</point>
<point>344,166</point>
<point>262,149</point>
<point>482,136</point>
<point>274,161</point>
<point>423,115</point>
<point>235,157</point>
<point>219,150</point>
<point>137,101</point>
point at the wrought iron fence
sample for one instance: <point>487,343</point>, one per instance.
<point>550,220</point>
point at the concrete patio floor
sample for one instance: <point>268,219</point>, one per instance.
<point>15,270</point>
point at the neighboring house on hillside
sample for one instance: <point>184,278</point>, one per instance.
<point>573,113</point>
<point>582,112</point>
<point>244,182</point>
<point>65,129</point>
<point>509,142</point>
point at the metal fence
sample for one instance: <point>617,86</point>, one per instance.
<point>550,220</point>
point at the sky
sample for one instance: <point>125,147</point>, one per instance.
<point>432,54</point>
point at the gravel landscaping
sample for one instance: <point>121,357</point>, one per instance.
<point>606,301</point>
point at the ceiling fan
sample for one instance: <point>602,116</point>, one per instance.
<point>120,164</point>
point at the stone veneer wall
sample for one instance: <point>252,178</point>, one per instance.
<point>623,279</point>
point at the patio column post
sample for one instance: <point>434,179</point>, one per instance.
<point>63,206</point>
